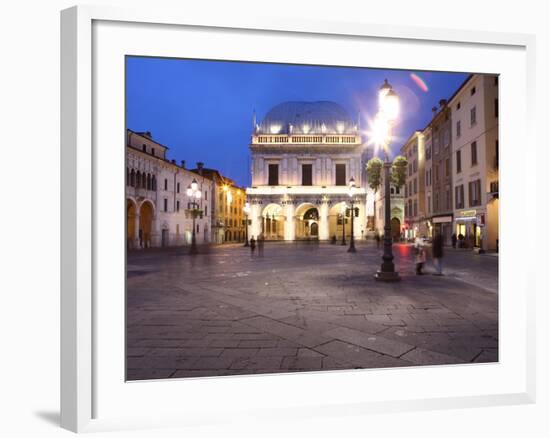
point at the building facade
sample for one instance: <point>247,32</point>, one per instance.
<point>475,155</point>
<point>442,177</point>
<point>156,199</point>
<point>228,201</point>
<point>416,214</point>
<point>397,210</point>
<point>303,157</point>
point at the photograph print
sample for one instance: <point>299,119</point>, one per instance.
<point>305,218</point>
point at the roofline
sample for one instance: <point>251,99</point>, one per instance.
<point>141,135</point>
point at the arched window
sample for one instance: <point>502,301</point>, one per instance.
<point>133,178</point>
<point>154,183</point>
<point>138,179</point>
<point>148,181</point>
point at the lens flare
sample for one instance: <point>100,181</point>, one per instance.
<point>419,82</point>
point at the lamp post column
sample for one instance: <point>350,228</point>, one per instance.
<point>193,249</point>
<point>352,239</point>
<point>387,269</point>
<point>343,227</point>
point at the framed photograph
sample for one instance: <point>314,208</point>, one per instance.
<point>263,216</point>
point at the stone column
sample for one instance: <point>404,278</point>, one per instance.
<point>289,227</point>
<point>323,222</point>
<point>135,239</point>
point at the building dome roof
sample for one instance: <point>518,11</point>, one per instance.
<point>322,117</point>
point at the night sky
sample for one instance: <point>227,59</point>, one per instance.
<point>202,110</point>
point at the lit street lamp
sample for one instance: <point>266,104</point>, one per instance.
<point>352,190</point>
<point>246,210</point>
<point>194,194</point>
<point>388,103</point>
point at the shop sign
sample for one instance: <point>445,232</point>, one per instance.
<point>467,213</point>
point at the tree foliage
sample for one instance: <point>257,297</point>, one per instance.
<point>374,173</point>
<point>399,171</point>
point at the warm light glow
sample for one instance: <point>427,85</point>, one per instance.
<point>225,188</point>
<point>380,131</point>
<point>194,185</point>
<point>198,194</point>
<point>390,106</point>
<point>352,187</point>
<point>274,129</point>
<point>189,191</point>
<point>229,197</point>
<point>246,208</point>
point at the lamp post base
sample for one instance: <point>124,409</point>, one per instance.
<point>387,276</point>
<point>193,250</point>
<point>352,249</point>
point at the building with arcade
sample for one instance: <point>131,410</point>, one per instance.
<point>303,157</point>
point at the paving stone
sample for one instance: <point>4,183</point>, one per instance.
<point>302,363</point>
<point>421,356</point>
<point>369,341</point>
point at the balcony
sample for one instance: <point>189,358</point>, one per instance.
<point>493,189</point>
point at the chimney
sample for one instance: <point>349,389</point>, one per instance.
<point>173,161</point>
<point>442,102</point>
<point>183,164</point>
<point>200,165</point>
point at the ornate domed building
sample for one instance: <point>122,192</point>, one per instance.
<point>304,156</point>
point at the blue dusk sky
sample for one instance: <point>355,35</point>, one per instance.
<point>202,110</point>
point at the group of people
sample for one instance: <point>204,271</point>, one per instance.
<point>260,243</point>
<point>420,248</point>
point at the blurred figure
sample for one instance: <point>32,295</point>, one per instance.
<point>437,252</point>
<point>333,240</point>
<point>420,254</point>
<point>252,245</point>
<point>261,245</point>
<point>453,240</point>
<point>377,237</point>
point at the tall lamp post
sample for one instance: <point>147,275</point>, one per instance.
<point>343,214</point>
<point>352,214</point>
<point>388,110</point>
<point>194,194</point>
<point>246,210</point>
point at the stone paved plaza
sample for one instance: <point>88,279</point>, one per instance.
<point>304,307</point>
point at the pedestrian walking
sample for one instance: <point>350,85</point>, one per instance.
<point>333,240</point>
<point>453,240</point>
<point>252,245</point>
<point>437,253</point>
<point>420,254</point>
<point>377,237</point>
<point>261,245</point>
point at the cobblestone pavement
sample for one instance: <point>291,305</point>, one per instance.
<point>304,307</point>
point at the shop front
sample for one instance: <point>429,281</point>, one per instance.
<point>469,228</point>
<point>443,225</point>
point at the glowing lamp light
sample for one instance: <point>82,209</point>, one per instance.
<point>390,106</point>
<point>198,194</point>
<point>352,187</point>
<point>384,89</point>
<point>189,191</point>
<point>246,208</point>
<point>380,130</point>
<point>194,185</point>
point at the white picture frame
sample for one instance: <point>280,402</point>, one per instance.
<point>85,377</point>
